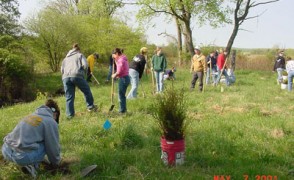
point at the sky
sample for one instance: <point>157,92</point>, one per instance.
<point>274,28</point>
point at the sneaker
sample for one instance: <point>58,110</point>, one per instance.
<point>29,169</point>
<point>69,117</point>
<point>93,108</point>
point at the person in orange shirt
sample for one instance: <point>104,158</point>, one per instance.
<point>91,61</point>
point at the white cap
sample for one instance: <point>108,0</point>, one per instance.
<point>197,48</point>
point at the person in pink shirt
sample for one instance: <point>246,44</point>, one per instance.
<point>122,72</point>
<point>221,59</point>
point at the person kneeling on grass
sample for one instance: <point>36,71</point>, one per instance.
<point>35,136</point>
<point>170,74</point>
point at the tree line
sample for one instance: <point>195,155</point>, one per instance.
<point>42,40</point>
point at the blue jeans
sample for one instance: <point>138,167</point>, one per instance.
<point>159,80</point>
<point>134,76</point>
<point>212,73</point>
<point>280,74</point>
<point>33,157</point>
<point>109,73</point>
<point>70,84</point>
<point>225,74</point>
<point>123,83</point>
<point>290,80</point>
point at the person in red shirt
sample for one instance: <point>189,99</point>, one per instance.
<point>221,59</point>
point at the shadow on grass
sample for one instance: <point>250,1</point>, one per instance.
<point>224,156</point>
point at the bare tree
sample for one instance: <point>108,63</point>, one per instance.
<point>183,11</point>
<point>241,12</point>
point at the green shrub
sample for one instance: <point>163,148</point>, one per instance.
<point>170,113</point>
<point>15,76</point>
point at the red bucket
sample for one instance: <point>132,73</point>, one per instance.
<point>172,152</point>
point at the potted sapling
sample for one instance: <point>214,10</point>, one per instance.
<point>170,113</point>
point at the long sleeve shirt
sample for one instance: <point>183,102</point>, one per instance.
<point>279,63</point>
<point>221,59</point>
<point>159,62</point>
<point>35,129</point>
<point>138,64</point>
<point>74,65</point>
<point>290,66</point>
<point>122,66</point>
<point>198,63</point>
<point>91,61</point>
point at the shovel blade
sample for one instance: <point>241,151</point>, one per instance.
<point>111,107</point>
<point>88,170</point>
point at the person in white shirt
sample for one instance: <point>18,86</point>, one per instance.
<point>290,71</point>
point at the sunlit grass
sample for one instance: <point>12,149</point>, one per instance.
<point>246,129</point>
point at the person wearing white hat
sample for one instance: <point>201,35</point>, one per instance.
<point>198,68</point>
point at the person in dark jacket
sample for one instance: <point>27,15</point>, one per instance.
<point>136,70</point>
<point>280,66</point>
<point>211,68</point>
<point>159,64</point>
<point>112,66</point>
<point>170,74</point>
<point>35,136</point>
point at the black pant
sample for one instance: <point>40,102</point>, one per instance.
<point>195,76</point>
<point>89,75</point>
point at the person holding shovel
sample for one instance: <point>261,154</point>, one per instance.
<point>35,136</point>
<point>211,68</point>
<point>136,70</point>
<point>198,68</point>
<point>159,64</point>
<point>122,72</point>
<point>91,61</point>
<point>221,69</point>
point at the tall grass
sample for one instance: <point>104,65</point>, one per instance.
<point>246,130</point>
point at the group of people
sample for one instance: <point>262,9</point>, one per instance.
<point>36,135</point>
<point>213,66</point>
<point>281,65</point>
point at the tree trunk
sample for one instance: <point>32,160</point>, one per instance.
<point>188,37</point>
<point>232,38</point>
<point>179,42</point>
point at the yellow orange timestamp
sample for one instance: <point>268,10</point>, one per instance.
<point>246,177</point>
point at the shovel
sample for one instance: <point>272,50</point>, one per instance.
<point>144,95</point>
<point>95,79</point>
<point>223,69</point>
<point>152,76</point>
<point>88,170</point>
<point>112,89</point>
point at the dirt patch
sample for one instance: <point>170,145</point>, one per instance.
<point>218,108</point>
<point>266,113</point>
<point>195,116</point>
<point>236,109</point>
<point>277,133</point>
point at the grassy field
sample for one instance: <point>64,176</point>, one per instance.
<point>245,131</point>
